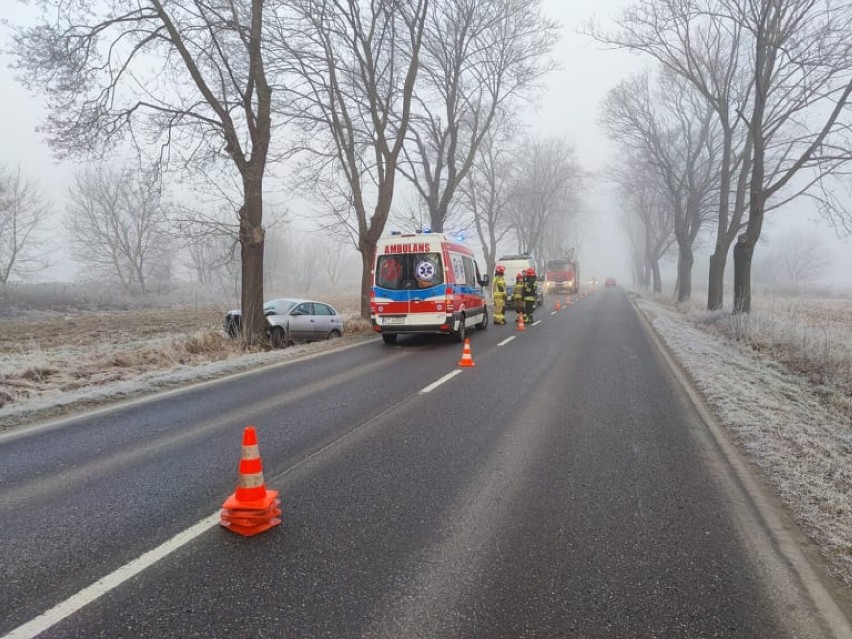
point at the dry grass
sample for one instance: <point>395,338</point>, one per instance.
<point>56,353</point>
<point>811,337</point>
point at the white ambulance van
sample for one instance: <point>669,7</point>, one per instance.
<point>426,283</point>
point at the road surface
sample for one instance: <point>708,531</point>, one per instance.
<point>564,487</point>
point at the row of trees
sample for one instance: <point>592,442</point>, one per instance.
<point>356,93</point>
<point>23,211</point>
<point>120,227</point>
<point>748,109</point>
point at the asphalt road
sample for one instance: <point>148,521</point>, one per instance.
<point>564,487</point>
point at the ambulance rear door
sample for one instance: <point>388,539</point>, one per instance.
<point>407,287</point>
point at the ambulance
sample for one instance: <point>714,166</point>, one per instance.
<point>426,283</point>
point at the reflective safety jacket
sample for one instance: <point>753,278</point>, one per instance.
<point>529,289</point>
<point>499,288</point>
<point>518,291</point>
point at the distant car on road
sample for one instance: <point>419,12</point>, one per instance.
<point>293,320</point>
<point>610,282</point>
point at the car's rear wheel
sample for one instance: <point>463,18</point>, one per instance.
<point>389,338</point>
<point>276,336</point>
<point>334,334</point>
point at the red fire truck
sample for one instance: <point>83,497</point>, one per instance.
<point>562,276</point>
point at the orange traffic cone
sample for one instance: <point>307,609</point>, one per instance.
<point>558,306</point>
<point>251,508</point>
<point>519,325</point>
<point>466,359</point>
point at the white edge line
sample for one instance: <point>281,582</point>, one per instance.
<point>110,405</point>
<point>553,312</point>
<point>507,340</point>
<point>438,382</point>
<point>102,586</point>
<point>536,323</point>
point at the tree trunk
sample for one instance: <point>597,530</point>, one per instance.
<point>436,219</point>
<point>716,278</point>
<point>658,281</point>
<point>368,250</point>
<point>685,260</point>
<point>251,253</point>
<point>743,252</point>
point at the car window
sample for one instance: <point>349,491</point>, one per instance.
<point>322,309</point>
<point>409,271</point>
<point>278,307</point>
<point>305,308</point>
<point>469,272</point>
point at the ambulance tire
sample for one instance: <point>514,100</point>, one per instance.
<point>484,323</point>
<point>458,336</point>
<point>389,338</point>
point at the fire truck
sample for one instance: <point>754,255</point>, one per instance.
<point>562,276</point>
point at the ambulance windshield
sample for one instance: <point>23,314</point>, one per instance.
<point>409,271</point>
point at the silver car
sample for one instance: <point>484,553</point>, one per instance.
<point>294,320</point>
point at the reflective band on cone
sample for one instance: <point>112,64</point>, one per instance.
<point>251,508</point>
<point>466,360</point>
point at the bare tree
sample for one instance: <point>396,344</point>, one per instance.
<point>671,129</point>
<point>354,64</point>
<point>306,265</point>
<point>478,59</point>
<point>23,211</point>
<point>210,243</point>
<point>117,226</point>
<point>798,258</point>
<point>648,214</point>
<point>544,193</point>
<point>689,40</point>
<point>486,190</point>
<point>189,74</point>
<point>780,69</point>
<point>802,84</point>
<point>332,259</point>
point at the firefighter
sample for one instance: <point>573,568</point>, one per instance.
<point>518,296</point>
<point>529,295</point>
<point>499,295</point>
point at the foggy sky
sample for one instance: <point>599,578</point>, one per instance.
<point>568,108</point>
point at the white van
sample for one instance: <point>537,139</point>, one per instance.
<point>515,264</point>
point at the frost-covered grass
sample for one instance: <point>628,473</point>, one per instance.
<point>49,366</point>
<point>812,337</point>
<point>779,381</point>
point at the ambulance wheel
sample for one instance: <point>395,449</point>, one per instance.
<point>389,338</point>
<point>484,323</point>
<point>458,336</point>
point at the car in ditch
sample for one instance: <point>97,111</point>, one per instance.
<point>292,320</point>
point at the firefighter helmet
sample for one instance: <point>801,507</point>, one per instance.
<point>531,271</point>
<point>500,269</point>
